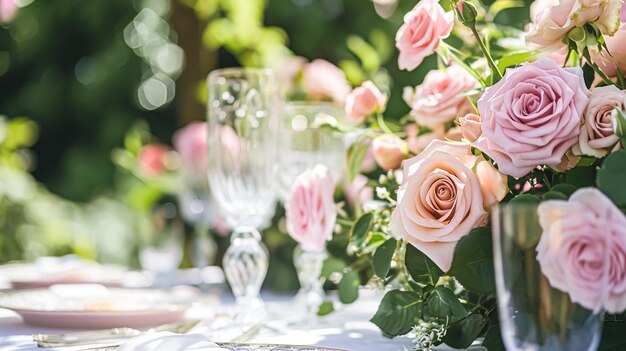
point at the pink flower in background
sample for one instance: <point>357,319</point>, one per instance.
<point>471,127</point>
<point>597,137</point>
<point>532,116</point>
<point>439,201</point>
<point>287,71</point>
<point>389,151</point>
<point>152,160</point>
<point>8,10</point>
<point>441,96</point>
<point>420,35</point>
<point>418,142</point>
<point>310,210</point>
<point>191,144</point>
<point>582,239</point>
<point>552,20</point>
<point>322,79</point>
<point>357,193</point>
<point>616,55</point>
<point>623,16</point>
<point>363,101</point>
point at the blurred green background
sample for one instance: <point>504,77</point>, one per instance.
<point>80,79</point>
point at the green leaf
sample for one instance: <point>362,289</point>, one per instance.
<point>461,335</point>
<point>398,312</point>
<point>526,198</point>
<point>360,229</point>
<point>349,287</point>
<point>444,304</point>
<point>516,59</point>
<point>356,153</point>
<point>612,176</point>
<point>581,176</point>
<point>332,265</point>
<point>501,5</point>
<point>326,308</point>
<point>421,268</point>
<point>473,261</point>
<point>354,72</point>
<point>566,189</point>
<point>382,258</point>
<point>493,339</point>
<point>554,195</point>
<point>364,51</point>
<point>613,336</point>
<point>381,42</point>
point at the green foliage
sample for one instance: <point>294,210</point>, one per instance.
<point>398,312</point>
<point>381,260</point>
<point>421,268</point>
<point>356,154</point>
<point>360,230</point>
<point>611,177</point>
<point>349,287</point>
<point>444,304</point>
<point>462,334</point>
<point>325,308</point>
<point>473,261</point>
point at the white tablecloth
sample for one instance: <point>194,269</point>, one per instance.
<point>347,328</point>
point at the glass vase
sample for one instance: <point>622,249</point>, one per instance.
<point>534,315</point>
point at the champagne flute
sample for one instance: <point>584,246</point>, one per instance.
<point>243,108</point>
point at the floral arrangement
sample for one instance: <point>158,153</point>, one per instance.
<point>541,121</point>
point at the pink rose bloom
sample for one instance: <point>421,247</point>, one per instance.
<point>357,193</point>
<point>532,116</point>
<point>152,160</point>
<point>363,101</point>
<point>493,184</point>
<point>471,127</point>
<point>8,10</point>
<point>310,210</point>
<point>616,45</point>
<point>322,80</point>
<point>191,144</point>
<point>389,151</point>
<point>423,29</point>
<point>441,96</point>
<point>552,19</point>
<point>582,239</point>
<point>440,200</point>
<point>597,137</point>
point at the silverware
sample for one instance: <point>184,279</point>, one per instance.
<point>112,335</point>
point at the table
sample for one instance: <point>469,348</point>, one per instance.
<point>347,328</point>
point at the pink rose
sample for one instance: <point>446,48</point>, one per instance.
<point>152,160</point>
<point>441,96</point>
<point>552,20</point>
<point>532,116</point>
<point>357,193</point>
<point>389,151</point>
<point>191,144</point>
<point>439,201</point>
<point>424,27</point>
<point>363,101</point>
<point>322,79</point>
<point>597,137</point>
<point>493,184</point>
<point>310,210</point>
<point>616,55</point>
<point>572,251</point>
<point>471,127</point>
<point>8,10</point>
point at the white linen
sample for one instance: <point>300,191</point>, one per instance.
<point>171,342</point>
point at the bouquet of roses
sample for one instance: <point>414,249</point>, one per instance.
<point>543,122</point>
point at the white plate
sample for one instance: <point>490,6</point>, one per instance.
<point>95,306</point>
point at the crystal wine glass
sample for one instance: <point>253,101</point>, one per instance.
<point>304,143</point>
<point>243,109</point>
<point>534,315</point>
